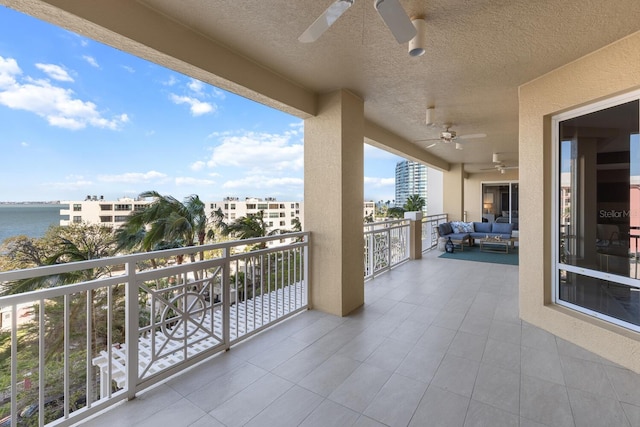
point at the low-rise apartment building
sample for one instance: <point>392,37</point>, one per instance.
<point>96,210</point>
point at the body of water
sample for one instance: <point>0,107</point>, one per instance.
<point>30,220</point>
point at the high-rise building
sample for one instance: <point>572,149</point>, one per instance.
<point>411,178</point>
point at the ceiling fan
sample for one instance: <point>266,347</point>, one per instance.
<point>390,11</point>
<point>447,136</point>
<point>500,167</point>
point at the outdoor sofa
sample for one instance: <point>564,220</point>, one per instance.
<point>466,232</point>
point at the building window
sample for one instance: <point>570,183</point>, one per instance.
<point>106,207</point>
<point>77,219</point>
<point>122,207</point>
<point>233,216</point>
<point>262,206</point>
<point>283,223</point>
<point>120,218</point>
<point>106,219</point>
<point>597,210</point>
<point>139,208</point>
<point>77,207</point>
<point>251,206</point>
<point>270,223</point>
<point>233,206</point>
<point>273,206</point>
<point>274,215</point>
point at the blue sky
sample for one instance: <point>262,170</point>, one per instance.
<point>81,118</point>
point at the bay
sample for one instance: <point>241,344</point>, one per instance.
<point>32,220</point>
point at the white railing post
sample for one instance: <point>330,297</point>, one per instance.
<point>131,338</point>
<point>226,297</point>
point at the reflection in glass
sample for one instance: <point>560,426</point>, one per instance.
<point>600,190</point>
<point>602,296</point>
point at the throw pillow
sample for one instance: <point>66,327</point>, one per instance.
<point>467,227</point>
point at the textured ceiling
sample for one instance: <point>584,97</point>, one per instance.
<point>478,53</point>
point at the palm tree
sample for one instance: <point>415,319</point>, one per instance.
<point>165,223</point>
<point>414,202</point>
<point>249,227</point>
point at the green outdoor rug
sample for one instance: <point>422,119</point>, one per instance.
<point>473,254</point>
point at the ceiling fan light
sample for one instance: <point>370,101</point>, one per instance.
<point>419,41</point>
<point>458,146</point>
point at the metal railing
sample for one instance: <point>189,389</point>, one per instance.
<point>386,244</point>
<point>430,230</point>
<point>128,322</point>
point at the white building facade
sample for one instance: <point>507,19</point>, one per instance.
<point>411,178</point>
<point>112,214</point>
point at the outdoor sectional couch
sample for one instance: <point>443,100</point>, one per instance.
<point>467,232</point>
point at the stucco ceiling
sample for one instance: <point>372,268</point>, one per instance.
<point>477,54</point>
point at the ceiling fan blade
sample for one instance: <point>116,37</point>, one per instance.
<point>396,19</point>
<point>432,145</point>
<point>325,21</point>
<point>473,136</point>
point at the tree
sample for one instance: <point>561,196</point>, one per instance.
<point>59,245</point>
<point>249,227</point>
<point>165,223</point>
<point>414,202</point>
<point>395,212</point>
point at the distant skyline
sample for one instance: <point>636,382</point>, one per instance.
<point>81,118</point>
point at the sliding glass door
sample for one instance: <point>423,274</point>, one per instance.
<point>500,203</point>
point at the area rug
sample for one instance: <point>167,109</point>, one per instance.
<point>473,254</point>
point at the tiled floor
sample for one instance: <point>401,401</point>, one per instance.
<point>438,343</point>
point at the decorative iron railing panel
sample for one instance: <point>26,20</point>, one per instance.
<point>386,244</point>
<point>430,230</point>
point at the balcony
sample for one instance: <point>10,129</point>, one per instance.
<point>438,342</point>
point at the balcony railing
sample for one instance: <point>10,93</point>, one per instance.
<point>430,230</point>
<point>386,244</point>
<point>127,322</point>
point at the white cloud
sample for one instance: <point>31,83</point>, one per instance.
<point>9,70</point>
<point>129,69</point>
<point>196,86</point>
<point>24,144</point>
<point>379,182</point>
<point>134,177</point>
<point>71,182</point>
<point>55,72</point>
<point>184,180</point>
<point>91,60</point>
<point>57,105</point>
<point>263,182</point>
<point>170,82</point>
<point>218,93</point>
<point>261,151</point>
<point>197,166</point>
<point>197,107</point>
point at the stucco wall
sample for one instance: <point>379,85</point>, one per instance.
<point>606,72</point>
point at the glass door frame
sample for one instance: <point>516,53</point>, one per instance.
<point>557,265</point>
